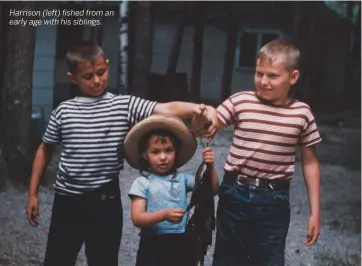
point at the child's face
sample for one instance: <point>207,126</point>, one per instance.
<point>91,77</point>
<point>160,154</point>
<point>273,81</point>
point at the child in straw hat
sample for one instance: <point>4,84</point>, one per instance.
<point>158,146</point>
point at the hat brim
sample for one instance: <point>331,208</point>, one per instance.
<point>188,142</point>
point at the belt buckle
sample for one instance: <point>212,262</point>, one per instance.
<point>240,178</point>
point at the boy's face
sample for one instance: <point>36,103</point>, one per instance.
<point>273,81</point>
<point>91,77</point>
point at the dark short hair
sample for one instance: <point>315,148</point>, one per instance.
<point>143,146</point>
<point>82,52</point>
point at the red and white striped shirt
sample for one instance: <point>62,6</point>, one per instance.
<point>266,136</point>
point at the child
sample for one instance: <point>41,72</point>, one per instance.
<point>253,212</point>
<point>157,147</point>
<point>91,129</point>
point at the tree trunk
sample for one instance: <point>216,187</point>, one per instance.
<point>297,24</point>
<point>357,71</point>
<point>123,77</point>
<point>356,63</point>
<point>348,78</point>
<point>303,34</point>
<point>231,41</point>
<point>16,155</point>
<point>357,31</point>
<point>2,55</point>
<point>142,50</point>
<point>297,90</point>
<point>177,42</point>
<point>195,81</point>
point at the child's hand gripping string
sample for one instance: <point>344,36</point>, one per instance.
<point>208,156</point>
<point>209,159</point>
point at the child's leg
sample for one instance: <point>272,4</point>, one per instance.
<point>271,217</point>
<point>233,226</point>
<point>65,236</point>
<point>104,226</point>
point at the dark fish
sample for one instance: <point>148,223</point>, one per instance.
<point>202,223</point>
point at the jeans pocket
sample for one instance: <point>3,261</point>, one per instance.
<point>280,200</point>
<point>226,188</point>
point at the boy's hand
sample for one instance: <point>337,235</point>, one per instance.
<point>204,115</point>
<point>208,155</point>
<point>32,211</point>
<point>312,231</point>
<point>174,215</point>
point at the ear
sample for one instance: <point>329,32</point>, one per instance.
<point>107,62</point>
<point>294,77</point>
<point>71,77</point>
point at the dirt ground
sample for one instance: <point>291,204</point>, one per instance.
<point>339,243</point>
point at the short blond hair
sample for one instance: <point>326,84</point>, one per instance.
<point>280,51</point>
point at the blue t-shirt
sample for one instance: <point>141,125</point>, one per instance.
<point>163,192</point>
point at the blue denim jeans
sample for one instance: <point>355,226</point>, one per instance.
<point>252,225</point>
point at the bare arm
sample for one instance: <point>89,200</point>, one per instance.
<point>42,158</point>
<point>143,219</point>
<point>201,114</point>
<point>209,158</point>
<point>214,180</point>
<point>312,180</point>
<point>183,110</point>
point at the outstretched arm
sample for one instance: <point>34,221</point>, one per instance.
<point>184,110</point>
<point>312,180</point>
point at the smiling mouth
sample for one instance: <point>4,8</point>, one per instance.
<point>99,87</point>
<point>263,89</point>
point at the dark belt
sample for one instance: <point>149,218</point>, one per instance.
<point>242,179</point>
<point>108,190</point>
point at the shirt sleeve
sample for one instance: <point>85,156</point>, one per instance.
<point>310,134</point>
<point>139,109</point>
<point>52,133</point>
<point>226,112</point>
<point>139,188</point>
<point>190,181</point>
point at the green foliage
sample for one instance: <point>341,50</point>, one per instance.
<point>340,7</point>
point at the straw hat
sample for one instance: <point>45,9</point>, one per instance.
<point>188,143</point>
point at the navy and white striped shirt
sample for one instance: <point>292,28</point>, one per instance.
<point>92,132</point>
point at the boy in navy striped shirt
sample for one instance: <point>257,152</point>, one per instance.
<point>91,128</point>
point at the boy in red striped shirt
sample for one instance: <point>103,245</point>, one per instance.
<point>253,213</point>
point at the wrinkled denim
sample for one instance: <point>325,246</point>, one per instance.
<point>252,225</point>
